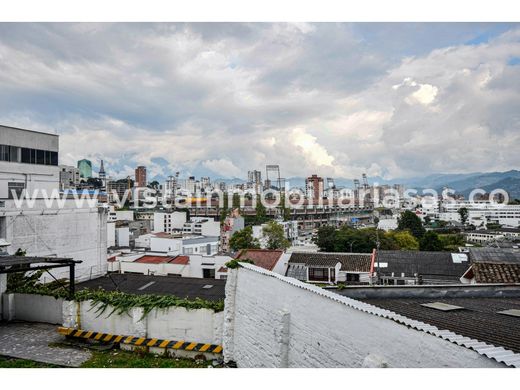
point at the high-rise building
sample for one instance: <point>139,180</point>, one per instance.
<point>314,187</point>
<point>254,179</point>
<point>140,176</point>
<point>85,169</point>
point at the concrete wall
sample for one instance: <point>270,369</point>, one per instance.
<point>175,323</point>
<point>79,233</point>
<point>274,321</point>
<point>33,308</point>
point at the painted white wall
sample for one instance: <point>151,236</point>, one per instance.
<point>167,222</point>
<point>111,234</point>
<point>162,269</point>
<point>175,323</point>
<point>79,233</point>
<point>275,321</point>
<point>123,236</point>
<point>34,308</point>
<point>167,245</point>
<point>124,215</point>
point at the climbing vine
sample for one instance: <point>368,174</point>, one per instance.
<point>101,299</point>
<point>235,263</point>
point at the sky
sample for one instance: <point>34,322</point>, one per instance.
<point>219,99</point>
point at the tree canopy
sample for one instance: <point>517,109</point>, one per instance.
<point>410,221</point>
<point>430,241</point>
<point>275,235</point>
<point>243,239</point>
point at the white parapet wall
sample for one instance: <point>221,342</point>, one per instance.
<point>174,323</point>
<point>32,308</point>
<point>275,321</point>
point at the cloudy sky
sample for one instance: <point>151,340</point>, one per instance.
<point>394,100</point>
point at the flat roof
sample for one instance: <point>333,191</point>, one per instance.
<point>190,288</point>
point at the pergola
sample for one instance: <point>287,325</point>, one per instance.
<point>12,264</point>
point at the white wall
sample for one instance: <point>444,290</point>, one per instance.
<point>166,245</point>
<point>123,236</point>
<point>175,323</point>
<point>155,269</point>
<point>125,215</point>
<point>166,222</point>
<point>275,321</point>
<point>79,233</point>
<point>33,308</point>
<point>111,234</point>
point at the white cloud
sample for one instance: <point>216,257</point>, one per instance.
<point>227,98</point>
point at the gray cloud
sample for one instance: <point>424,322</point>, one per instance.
<point>336,99</point>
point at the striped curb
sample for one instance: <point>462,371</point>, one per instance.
<point>140,341</point>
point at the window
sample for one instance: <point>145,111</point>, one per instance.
<point>319,274</point>
<point>40,157</point>
<point>352,277</point>
<point>208,273</point>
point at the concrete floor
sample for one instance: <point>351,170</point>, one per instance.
<point>26,340</point>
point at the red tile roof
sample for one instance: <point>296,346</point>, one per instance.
<point>154,259</point>
<point>222,269</point>
<point>264,258</point>
<point>149,259</point>
<point>183,260</point>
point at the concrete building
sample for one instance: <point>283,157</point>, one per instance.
<point>233,223</point>
<point>61,228</point>
<point>69,177</point>
<point>208,246</point>
<point>314,187</point>
<point>168,222</point>
<point>28,161</point>
<point>85,169</point>
<point>202,226</point>
<point>140,176</point>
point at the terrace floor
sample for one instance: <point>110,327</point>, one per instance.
<point>32,341</point>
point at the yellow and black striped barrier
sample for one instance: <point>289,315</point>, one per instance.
<point>140,341</point>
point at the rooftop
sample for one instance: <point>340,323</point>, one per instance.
<point>199,240</point>
<point>495,255</point>
<point>478,319</point>
<point>489,272</point>
<point>190,288</point>
<point>433,267</point>
<point>354,262</point>
<point>265,258</point>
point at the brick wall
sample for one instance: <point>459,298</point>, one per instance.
<point>275,321</point>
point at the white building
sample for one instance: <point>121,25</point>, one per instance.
<point>54,227</point>
<point>483,236</point>
<point>168,222</point>
<point>202,226</point>
<point>200,246</point>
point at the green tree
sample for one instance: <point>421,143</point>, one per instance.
<point>243,239</point>
<point>275,235</point>
<point>236,201</point>
<point>430,241</point>
<point>463,212</point>
<point>261,214</point>
<point>225,207</point>
<point>153,185</point>
<point>410,221</point>
<point>404,240</point>
<point>326,238</point>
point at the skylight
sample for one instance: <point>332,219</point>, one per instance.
<point>207,286</point>
<point>442,306</point>
<point>511,312</point>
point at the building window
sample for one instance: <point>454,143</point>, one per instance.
<point>321,274</point>
<point>352,277</point>
<point>208,273</point>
